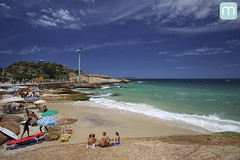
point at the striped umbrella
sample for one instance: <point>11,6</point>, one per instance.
<point>49,113</point>
<point>47,121</point>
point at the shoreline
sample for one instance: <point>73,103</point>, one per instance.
<point>135,130</point>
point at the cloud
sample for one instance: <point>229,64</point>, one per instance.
<point>165,16</point>
<point>63,14</point>
<point>233,42</point>
<point>61,18</point>
<point>3,5</point>
<point>86,1</point>
<point>235,65</point>
<point>161,53</point>
<point>31,14</point>
<point>45,23</point>
<point>121,43</point>
<point>6,51</point>
<point>170,16</point>
<point>203,51</point>
<point>11,37</point>
<point>30,50</point>
<point>182,68</point>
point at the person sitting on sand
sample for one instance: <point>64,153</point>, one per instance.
<point>94,139</point>
<point>116,140</point>
<point>105,141</point>
<point>90,142</point>
<point>45,109</point>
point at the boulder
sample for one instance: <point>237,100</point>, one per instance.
<point>10,122</point>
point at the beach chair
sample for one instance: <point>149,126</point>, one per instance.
<point>64,133</point>
<point>52,134</point>
<point>68,129</point>
<point>56,128</point>
<point>63,138</point>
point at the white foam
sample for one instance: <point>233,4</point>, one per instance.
<point>141,82</point>
<point>107,87</point>
<point>211,122</point>
<point>103,95</point>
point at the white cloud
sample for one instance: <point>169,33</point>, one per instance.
<point>4,6</point>
<point>182,68</point>
<point>235,65</point>
<point>45,23</point>
<point>161,53</point>
<point>233,42</point>
<point>6,51</point>
<point>203,51</point>
<point>31,14</point>
<point>64,14</point>
<point>88,1</point>
<point>61,18</point>
<point>121,43</point>
<point>30,50</point>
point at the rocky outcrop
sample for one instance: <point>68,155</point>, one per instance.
<point>89,80</point>
<point>10,122</point>
<point>68,97</point>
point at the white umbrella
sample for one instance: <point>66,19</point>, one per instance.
<point>2,90</point>
<point>12,99</point>
<point>47,121</point>
<point>22,87</point>
<point>40,102</point>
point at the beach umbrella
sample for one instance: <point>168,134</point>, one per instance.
<point>37,90</point>
<point>12,99</point>
<point>47,121</point>
<point>49,113</point>
<point>11,90</point>
<point>2,90</point>
<point>40,102</point>
<point>22,87</point>
<point>32,99</point>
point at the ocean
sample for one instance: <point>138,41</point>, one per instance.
<point>213,104</point>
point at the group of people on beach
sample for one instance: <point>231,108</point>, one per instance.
<point>12,108</point>
<point>29,116</point>
<point>104,142</point>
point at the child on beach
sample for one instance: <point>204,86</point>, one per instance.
<point>91,144</point>
<point>116,140</point>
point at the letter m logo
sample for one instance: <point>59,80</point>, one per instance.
<point>228,10</point>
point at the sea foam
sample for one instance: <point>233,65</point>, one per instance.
<point>210,122</point>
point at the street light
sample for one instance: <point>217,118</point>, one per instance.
<point>79,51</point>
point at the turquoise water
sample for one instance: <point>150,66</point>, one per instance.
<point>210,104</point>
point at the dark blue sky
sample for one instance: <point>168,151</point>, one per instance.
<point>137,38</point>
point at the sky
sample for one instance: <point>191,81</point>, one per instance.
<point>123,38</point>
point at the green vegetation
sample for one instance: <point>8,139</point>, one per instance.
<point>28,70</point>
<point>3,75</point>
<point>228,134</point>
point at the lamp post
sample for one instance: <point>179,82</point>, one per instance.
<point>79,52</point>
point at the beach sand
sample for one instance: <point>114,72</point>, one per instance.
<point>135,130</point>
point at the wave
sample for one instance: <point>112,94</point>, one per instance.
<point>210,122</point>
<point>141,82</point>
<point>105,95</point>
<point>107,87</point>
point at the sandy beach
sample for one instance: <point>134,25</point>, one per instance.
<point>136,131</point>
